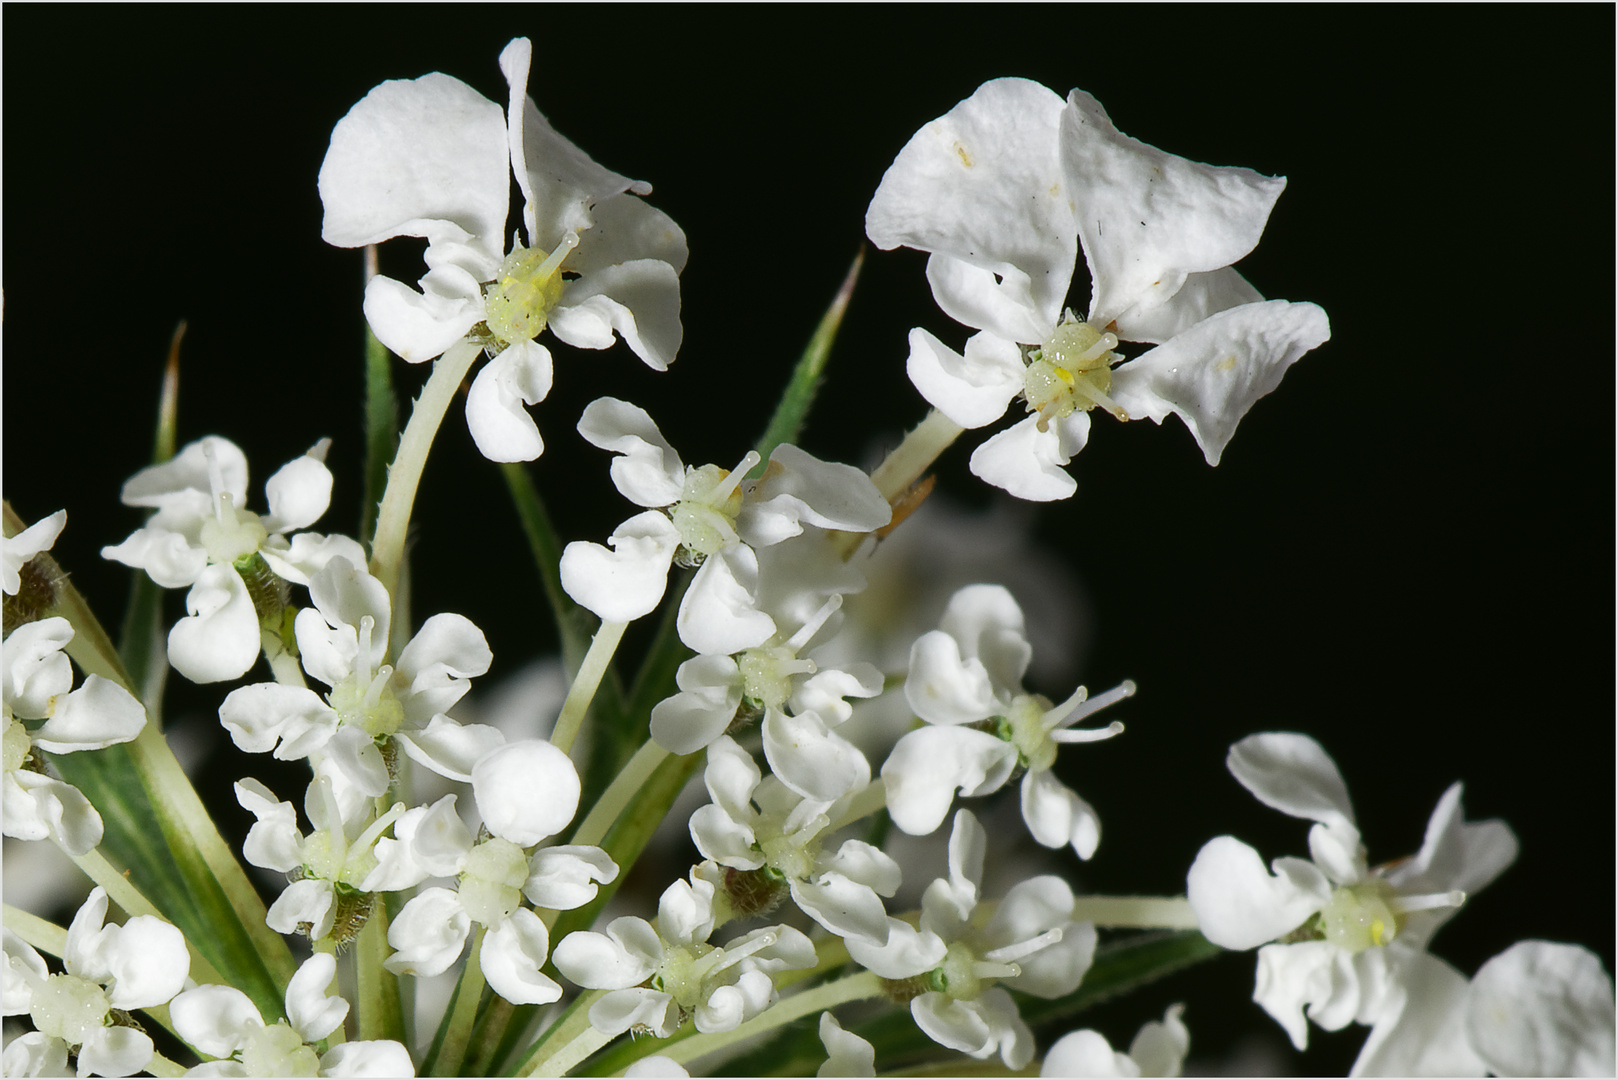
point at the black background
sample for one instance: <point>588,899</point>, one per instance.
<point>1406,552</point>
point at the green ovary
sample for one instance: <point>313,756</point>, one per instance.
<point>491,883</point>
<point>706,512</point>
<point>278,1051</point>
<point>1072,372</point>
<point>526,288</point>
<point>17,745</point>
<point>69,1008</point>
<point>1358,917</point>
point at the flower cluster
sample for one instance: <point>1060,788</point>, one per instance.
<point>429,843</point>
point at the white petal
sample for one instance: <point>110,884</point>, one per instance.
<point>981,186</point>
<point>214,1019</point>
<point>220,638</point>
<point>428,934</point>
<point>37,806</point>
<point>343,595</point>
<point>1160,1048</point>
<point>1086,1053</point>
<point>846,1053</point>
<point>513,953</point>
<point>945,688</point>
<point>505,782</point>
<point>1057,816</point>
<point>184,482</point>
<point>274,841</point>
<point>1291,773</point>
<point>1147,219</point>
<point>299,492</point>
<point>719,613</point>
<point>710,692</point>
<point>972,390</point>
<point>447,649</point>
<point>633,1008</point>
<point>499,424</point>
<point>815,762</point>
<point>1542,1009</point>
<point>97,714</point>
<point>646,471</point>
<point>1202,295</point>
<point>846,908</point>
<point>926,767</point>
<point>168,557</point>
<point>563,877</point>
<point>149,964</point>
<point>989,624</point>
<point>1290,977</point>
<point>35,1054</point>
<point>602,962</point>
<point>1457,854</point>
<point>805,489</point>
<point>450,748</point>
<point>307,901</point>
<point>371,1057</point>
<point>262,715</point>
<point>1028,462</point>
<point>627,582</point>
<point>638,300</point>
<point>412,155</point>
<point>1423,1033</point>
<point>908,951</point>
<point>115,1051</point>
<point>310,1011</point>
<point>15,551</point>
<point>1240,905</point>
<point>37,671</point>
<point>421,325</point>
<point>306,554</point>
<point>1210,375</point>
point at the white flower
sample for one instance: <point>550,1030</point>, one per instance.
<point>134,966</point>
<point>37,681</point>
<point>203,536</point>
<point>333,866</point>
<point>703,513</point>
<point>15,551</point>
<point>430,931</point>
<point>1030,943</point>
<point>434,158</point>
<point>998,191</point>
<point>223,1022</point>
<point>758,825</point>
<point>1354,937</point>
<point>343,639</point>
<point>968,672</point>
<point>1159,1049</point>
<point>660,976</point>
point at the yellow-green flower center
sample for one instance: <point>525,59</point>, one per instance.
<point>1359,916</point>
<point>17,744</point>
<point>278,1051</point>
<point>69,1008</point>
<point>492,880</point>
<point>525,290</point>
<point>1071,372</point>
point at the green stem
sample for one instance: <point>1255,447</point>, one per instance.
<point>162,1066</point>
<point>825,996</point>
<point>1138,912</point>
<point>452,1051</point>
<point>863,805</point>
<point>619,794</point>
<point>380,1012</point>
<point>573,1029</point>
<point>583,690</point>
<point>404,475</point>
<point>42,934</point>
<point>905,464</point>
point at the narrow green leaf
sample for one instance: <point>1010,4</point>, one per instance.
<point>381,419</point>
<point>805,383</point>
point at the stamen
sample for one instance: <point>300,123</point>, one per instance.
<point>368,837</point>
<point>1080,705</point>
<point>985,971</point>
<point>379,683</point>
<point>1084,386</point>
<point>1105,344</point>
<point>548,267</point>
<point>1016,951</point>
<point>809,629</point>
<point>1404,905</point>
<point>735,477</point>
<point>362,659</point>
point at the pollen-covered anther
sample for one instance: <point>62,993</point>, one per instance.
<point>525,289</point>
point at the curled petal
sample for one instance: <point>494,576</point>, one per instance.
<point>307,901</point>
<point>513,953</point>
<point>115,1051</point>
<point>97,714</point>
<point>563,877</point>
<point>149,964</point>
<point>846,1053</point>
<point>846,908</point>
<point>1542,1009</point>
<point>646,469</point>
<point>926,767</point>
<point>291,720</point>
<point>501,427</point>
<point>908,951</point>
<point>719,614</point>
<point>710,692</point>
<point>1292,773</point>
<point>635,1007</point>
<point>640,300</point>
<point>1240,905</point>
<point>627,582</point>
<point>167,557</point>
<point>37,671</point>
<point>627,954</point>
<point>219,639</point>
<point>800,487</point>
<point>15,551</point>
<point>371,1057</point>
<point>1147,219</point>
<point>1056,815</point>
<point>36,806</point>
<point>299,492</point>
<point>428,934</point>
<point>1028,462</point>
<point>972,390</point>
<point>1210,375</point>
<point>943,687</point>
<point>215,1019</point>
<point>421,325</point>
<point>505,783</point>
<point>310,1011</point>
<point>450,748</point>
<point>811,759</point>
<point>185,481</point>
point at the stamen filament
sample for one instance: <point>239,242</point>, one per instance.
<point>1085,387</point>
<point>1017,950</point>
<point>735,477</point>
<point>1404,905</point>
<point>1104,344</point>
<point>810,628</point>
<point>546,268</point>
<point>1081,705</point>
